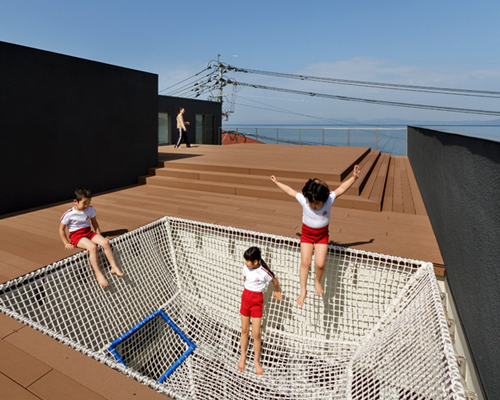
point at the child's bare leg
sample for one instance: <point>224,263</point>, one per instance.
<point>306,251</point>
<point>320,252</point>
<point>257,342</point>
<point>94,261</point>
<point>245,328</point>
<point>104,243</point>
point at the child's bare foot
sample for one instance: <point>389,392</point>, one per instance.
<point>102,280</point>
<point>241,364</point>
<point>258,368</point>
<point>116,271</point>
<point>301,298</point>
<point>319,288</point>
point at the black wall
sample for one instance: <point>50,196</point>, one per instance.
<point>66,122</point>
<point>168,104</point>
<point>459,178</point>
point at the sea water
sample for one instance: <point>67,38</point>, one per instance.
<point>389,139</point>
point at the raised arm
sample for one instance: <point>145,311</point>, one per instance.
<point>287,189</point>
<point>348,183</point>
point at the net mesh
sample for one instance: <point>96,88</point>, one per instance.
<point>378,331</point>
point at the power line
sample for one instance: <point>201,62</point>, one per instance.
<point>379,85</point>
<point>285,111</point>
<point>370,101</point>
<point>189,86</point>
<point>171,77</point>
<point>194,86</point>
<point>178,83</point>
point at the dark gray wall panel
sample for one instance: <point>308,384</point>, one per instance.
<point>66,122</point>
<point>459,179</point>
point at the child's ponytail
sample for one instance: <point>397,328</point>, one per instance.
<point>266,267</point>
<point>253,254</point>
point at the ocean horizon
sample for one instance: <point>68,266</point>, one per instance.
<point>388,138</point>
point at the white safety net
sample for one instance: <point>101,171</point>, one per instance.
<point>378,331</point>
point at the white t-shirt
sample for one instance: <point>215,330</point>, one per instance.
<point>315,218</point>
<point>75,220</point>
<point>256,279</point>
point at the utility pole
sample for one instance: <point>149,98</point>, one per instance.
<point>225,115</point>
<point>219,68</point>
<point>219,85</point>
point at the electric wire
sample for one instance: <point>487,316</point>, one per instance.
<point>285,111</point>
<point>178,83</point>
<point>189,86</point>
<point>379,85</point>
<point>194,86</point>
<point>180,73</point>
<point>371,101</point>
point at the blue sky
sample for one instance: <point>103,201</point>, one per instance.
<point>430,43</point>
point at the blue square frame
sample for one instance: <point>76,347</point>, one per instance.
<point>176,329</point>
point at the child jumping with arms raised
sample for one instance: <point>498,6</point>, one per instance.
<point>256,275</point>
<point>78,219</point>
<point>316,201</point>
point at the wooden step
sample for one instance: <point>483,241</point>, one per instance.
<point>295,173</point>
<point>348,201</point>
<point>378,188</point>
<point>401,193</point>
<point>216,187</point>
<point>260,176</point>
<point>389,188</point>
<point>366,193</point>
<point>366,166</point>
<point>375,185</point>
<point>226,177</point>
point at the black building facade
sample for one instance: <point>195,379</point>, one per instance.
<point>204,117</point>
<point>66,122</point>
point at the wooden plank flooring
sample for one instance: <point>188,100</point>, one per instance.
<point>34,366</point>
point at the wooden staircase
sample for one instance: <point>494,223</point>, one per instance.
<point>368,193</point>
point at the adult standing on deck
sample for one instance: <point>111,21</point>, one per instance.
<point>181,127</point>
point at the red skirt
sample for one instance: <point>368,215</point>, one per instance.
<point>314,235</point>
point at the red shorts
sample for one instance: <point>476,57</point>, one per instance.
<point>79,234</point>
<point>314,235</point>
<point>251,304</point>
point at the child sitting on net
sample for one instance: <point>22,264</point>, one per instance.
<point>256,275</point>
<point>78,219</point>
<point>316,201</point>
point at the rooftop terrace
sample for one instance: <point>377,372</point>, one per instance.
<point>227,185</point>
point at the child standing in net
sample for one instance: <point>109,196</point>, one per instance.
<point>316,201</point>
<point>256,274</point>
<point>78,219</point>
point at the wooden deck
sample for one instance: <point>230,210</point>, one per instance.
<point>227,185</point>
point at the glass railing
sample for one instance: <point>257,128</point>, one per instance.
<point>387,140</point>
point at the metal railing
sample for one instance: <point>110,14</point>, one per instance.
<point>388,140</point>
